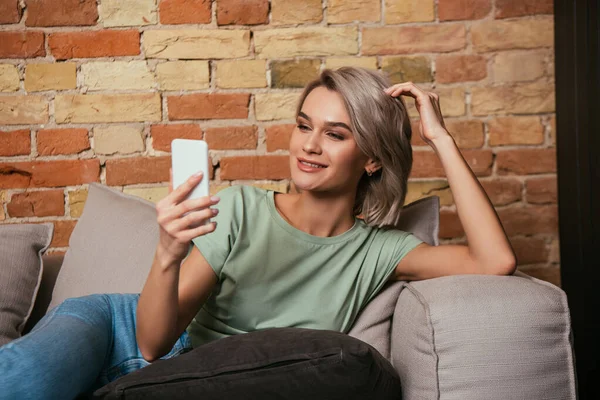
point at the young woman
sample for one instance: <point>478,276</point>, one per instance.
<point>299,260</point>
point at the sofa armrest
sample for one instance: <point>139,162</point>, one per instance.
<point>483,337</point>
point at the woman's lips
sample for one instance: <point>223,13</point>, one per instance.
<point>308,167</point>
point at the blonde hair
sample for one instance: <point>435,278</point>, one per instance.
<point>382,131</point>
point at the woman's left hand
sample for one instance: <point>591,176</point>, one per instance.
<point>428,106</point>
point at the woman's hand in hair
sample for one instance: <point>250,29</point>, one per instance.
<point>428,106</point>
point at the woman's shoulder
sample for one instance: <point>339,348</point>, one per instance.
<point>242,195</point>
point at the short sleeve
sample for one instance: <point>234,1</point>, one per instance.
<point>388,249</point>
<point>216,246</point>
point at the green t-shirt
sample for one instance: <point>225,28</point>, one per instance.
<point>271,274</point>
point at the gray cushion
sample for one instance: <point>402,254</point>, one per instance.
<point>373,325</point>
<point>21,249</point>
<point>111,248</point>
<point>483,337</point>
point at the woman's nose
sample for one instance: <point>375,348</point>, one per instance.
<point>311,144</point>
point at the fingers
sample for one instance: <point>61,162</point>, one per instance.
<point>199,231</point>
<point>194,219</point>
<point>184,189</point>
<point>171,212</point>
<point>411,90</point>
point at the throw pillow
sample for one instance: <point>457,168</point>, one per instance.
<point>111,248</point>
<point>21,249</point>
<point>278,363</point>
<point>373,324</point>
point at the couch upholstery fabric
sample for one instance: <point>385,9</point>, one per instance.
<point>22,246</point>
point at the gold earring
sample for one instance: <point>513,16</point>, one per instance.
<point>369,172</point>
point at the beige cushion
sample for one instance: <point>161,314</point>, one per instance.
<point>472,337</point>
<point>373,324</point>
<point>111,248</point>
<point>21,249</point>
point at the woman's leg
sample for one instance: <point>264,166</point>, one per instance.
<point>76,348</point>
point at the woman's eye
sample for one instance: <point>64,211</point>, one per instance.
<point>303,127</point>
<point>336,136</point>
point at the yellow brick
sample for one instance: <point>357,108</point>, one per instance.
<point>20,110</point>
<point>343,11</point>
<point>118,140</point>
<point>117,75</point>
<point>9,78</point>
<point>271,106</point>
<point>80,108</point>
<point>452,102</point>
<point>77,199</point>
<point>183,75</point>
<point>413,39</point>
<point>419,190</point>
<point>317,41</point>
<point>296,11</point>
<point>127,12</point>
<point>531,98</point>
<point>241,74</point>
<point>515,34</point>
<point>515,130</point>
<point>364,62</point>
<point>397,12</point>
<point>196,43</point>
<point>519,66</point>
<point>59,76</point>
<point>154,194</point>
<point>2,214</point>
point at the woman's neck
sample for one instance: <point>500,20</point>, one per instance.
<point>317,214</point>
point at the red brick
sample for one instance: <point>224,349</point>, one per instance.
<point>49,173</point>
<point>62,232</point>
<point>163,135</point>
<point>185,11</point>
<point>541,190</point>
<point>89,44</point>
<point>255,167</point>
<point>15,143</point>
<point>518,8</point>
<point>207,106</point>
<point>234,137</point>
<point>61,12</point>
<point>530,250</point>
<point>415,139</point>
<point>449,10</point>
<point>10,12</point>
<point>248,12</point>
<point>51,142</point>
<point>22,44</point>
<point>503,191</point>
<point>278,137</point>
<point>42,203</point>
<point>548,274</point>
<point>529,220</point>
<point>460,68</point>
<point>426,164</point>
<point>128,171</point>
<point>466,134</point>
<point>526,161</point>
<point>450,226</point>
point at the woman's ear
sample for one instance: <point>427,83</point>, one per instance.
<point>372,166</point>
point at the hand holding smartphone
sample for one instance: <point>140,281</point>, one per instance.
<point>187,158</point>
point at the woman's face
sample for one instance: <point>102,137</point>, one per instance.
<point>323,153</point>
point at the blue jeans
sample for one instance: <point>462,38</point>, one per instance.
<point>79,346</point>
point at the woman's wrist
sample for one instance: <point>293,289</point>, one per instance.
<point>164,259</point>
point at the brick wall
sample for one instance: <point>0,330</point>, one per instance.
<point>94,91</point>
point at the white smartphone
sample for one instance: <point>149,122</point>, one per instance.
<point>188,157</point>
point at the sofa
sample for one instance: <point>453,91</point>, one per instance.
<point>459,337</point>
